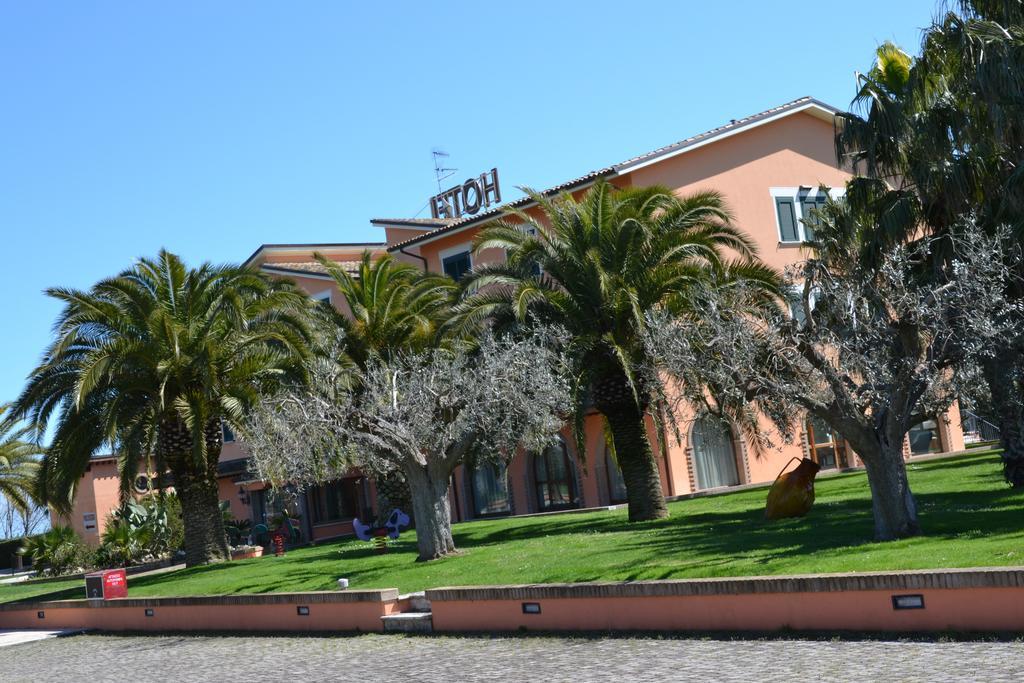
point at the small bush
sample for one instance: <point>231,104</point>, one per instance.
<point>175,524</point>
<point>141,531</point>
<point>122,544</point>
<point>59,551</point>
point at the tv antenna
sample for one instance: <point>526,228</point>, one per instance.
<point>441,172</point>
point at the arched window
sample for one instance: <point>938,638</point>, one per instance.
<point>552,476</point>
<point>616,485</point>
<point>714,460</point>
<point>489,484</point>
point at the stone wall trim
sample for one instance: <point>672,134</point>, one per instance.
<point>994,577</point>
<point>307,598</point>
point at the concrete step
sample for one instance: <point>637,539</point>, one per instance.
<point>417,601</point>
<point>408,622</point>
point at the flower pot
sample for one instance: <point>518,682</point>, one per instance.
<point>247,553</point>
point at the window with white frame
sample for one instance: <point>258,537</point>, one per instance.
<point>322,296</point>
<point>794,207</point>
<point>531,230</point>
<point>456,262</point>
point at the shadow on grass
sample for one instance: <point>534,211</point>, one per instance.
<point>958,500</point>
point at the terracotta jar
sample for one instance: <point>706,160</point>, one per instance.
<point>792,494</point>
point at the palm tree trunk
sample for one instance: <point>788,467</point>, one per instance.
<point>205,537</point>
<point>428,487</point>
<point>206,540</point>
<point>636,460</point>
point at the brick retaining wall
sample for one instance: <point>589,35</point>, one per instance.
<point>956,600</point>
<point>979,599</point>
<point>359,610</point>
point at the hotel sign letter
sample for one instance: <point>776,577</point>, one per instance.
<point>468,198</point>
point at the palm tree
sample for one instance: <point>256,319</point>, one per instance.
<point>151,363</point>
<point>597,267</point>
<point>19,463</point>
<point>389,307</point>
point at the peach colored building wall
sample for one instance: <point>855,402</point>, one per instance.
<point>98,493</point>
<point>791,152</point>
<point>227,490</point>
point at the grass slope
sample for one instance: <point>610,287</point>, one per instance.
<point>970,518</point>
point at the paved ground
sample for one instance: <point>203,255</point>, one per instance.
<point>96,658</point>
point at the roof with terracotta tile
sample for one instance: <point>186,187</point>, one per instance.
<point>721,131</point>
<point>309,267</point>
<point>465,221</point>
<point>734,126</point>
<point>414,222</point>
<point>354,247</point>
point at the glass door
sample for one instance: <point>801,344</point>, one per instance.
<point>825,444</point>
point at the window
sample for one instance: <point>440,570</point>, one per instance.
<point>530,230</point>
<point>793,211</point>
<point>457,265</point>
<point>322,296</point>
<point>142,484</point>
<point>825,445</point>
<point>336,501</point>
<point>714,460</point>
<point>552,475</point>
<point>229,436</point>
<point>788,229</point>
<point>924,438</point>
<point>812,201</point>
<point>489,483</point>
<point>616,484</point>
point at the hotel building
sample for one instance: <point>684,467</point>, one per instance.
<point>770,168</point>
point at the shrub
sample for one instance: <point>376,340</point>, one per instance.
<point>59,551</point>
<point>175,525</point>
<point>142,530</point>
<point>122,544</point>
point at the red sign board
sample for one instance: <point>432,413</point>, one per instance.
<point>107,584</point>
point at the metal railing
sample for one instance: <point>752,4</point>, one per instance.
<point>977,428</point>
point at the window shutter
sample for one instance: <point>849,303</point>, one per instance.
<point>456,266</point>
<point>812,202</point>
<point>787,219</point>
<point>807,205</point>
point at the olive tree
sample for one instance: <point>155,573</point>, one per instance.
<point>420,413</point>
<point>871,351</point>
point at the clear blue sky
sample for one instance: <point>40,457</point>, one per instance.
<point>212,127</point>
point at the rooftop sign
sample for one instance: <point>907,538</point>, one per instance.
<point>468,198</point>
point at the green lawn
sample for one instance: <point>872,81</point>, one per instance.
<point>970,518</point>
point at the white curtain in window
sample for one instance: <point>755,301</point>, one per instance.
<point>714,460</point>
